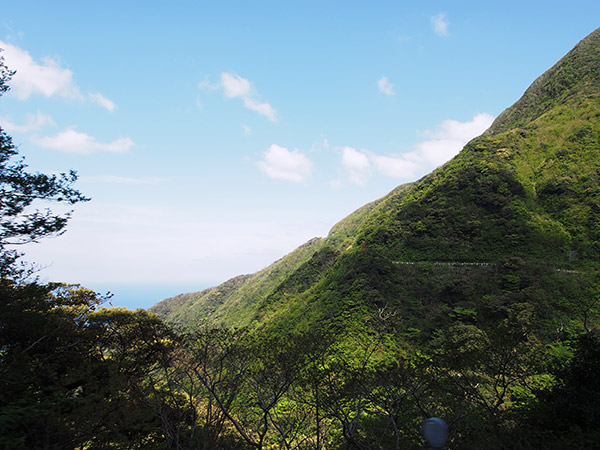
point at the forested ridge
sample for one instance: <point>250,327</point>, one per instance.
<point>472,295</point>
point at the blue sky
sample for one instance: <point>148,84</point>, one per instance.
<point>216,137</point>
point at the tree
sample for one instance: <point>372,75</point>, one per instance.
<point>21,192</point>
<point>566,415</point>
<point>74,375</point>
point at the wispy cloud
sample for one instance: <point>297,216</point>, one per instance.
<point>262,108</point>
<point>205,84</point>
<point>281,163</point>
<point>440,25</point>
<point>33,122</point>
<point>385,87</point>
<point>103,101</point>
<point>235,86</point>
<point>115,179</point>
<point>46,77</point>
<point>72,141</point>
<point>439,146</point>
<point>320,144</point>
<point>247,130</point>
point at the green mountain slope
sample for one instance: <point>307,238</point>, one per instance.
<point>513,219</point>
<point>235,301</point>
<point>575,75</point>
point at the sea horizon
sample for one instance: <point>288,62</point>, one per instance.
<point>140,295</point>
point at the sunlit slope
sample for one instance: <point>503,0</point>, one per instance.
<point>234,301</point>
<point>515,211</point>
<point>237,301</point>
<point>576,75</point>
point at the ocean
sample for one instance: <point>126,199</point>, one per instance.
<point>134,296</point>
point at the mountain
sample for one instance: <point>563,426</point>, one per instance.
<point>514,219</point>
<point>235,301</point>
<point>472,294</point>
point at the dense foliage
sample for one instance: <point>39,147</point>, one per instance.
<point>72,374</point>
<point>75,375</point>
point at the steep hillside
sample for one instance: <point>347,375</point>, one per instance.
<point>574,76</point>
<point>514,218</point>
<point>235,301</point>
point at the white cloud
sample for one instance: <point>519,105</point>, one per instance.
<point>46,78</point>
<point>33,122</point>
<point>439,146</point>
<point>206,84</point>
<point>357,165</point>
<point>247,130</point>
<point>396,167</point>
<point>385,87</point>
<point>103,101</point>
<point>449,138</point>
<point>235,86</point>
<point>71,141</point>
<point>281,163</point>
<point>440,25</point>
